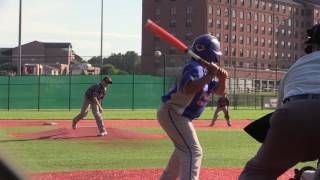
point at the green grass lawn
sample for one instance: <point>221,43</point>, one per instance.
<point>222,148</point>
<point>120,114</point>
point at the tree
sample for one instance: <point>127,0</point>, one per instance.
<point>110,69</point>
<point>128,62</point>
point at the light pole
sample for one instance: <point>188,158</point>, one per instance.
<point>101,35</point>
<point>20,14</point>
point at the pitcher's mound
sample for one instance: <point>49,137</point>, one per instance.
<point>90,133</point>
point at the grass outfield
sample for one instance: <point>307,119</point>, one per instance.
<point>222,148</point>
<point>120,114</point>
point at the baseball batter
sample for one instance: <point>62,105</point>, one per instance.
<point>294,131</point>
<point>93,97</point>
<point>186,101</point>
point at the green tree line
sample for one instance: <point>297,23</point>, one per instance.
<point>118,63</point>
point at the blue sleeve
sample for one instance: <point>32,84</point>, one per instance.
<point>191,73</point>
<point>213,85</point>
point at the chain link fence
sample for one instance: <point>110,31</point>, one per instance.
<point>252,84</point>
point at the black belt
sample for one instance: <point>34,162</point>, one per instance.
<point>301,97</point>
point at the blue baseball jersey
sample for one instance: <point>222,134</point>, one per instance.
<point>189,105</point>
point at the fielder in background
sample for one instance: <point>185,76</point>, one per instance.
<point>93,97</point>
<point>222,105</point>
<point>186,101</point>
<point>294,131</point>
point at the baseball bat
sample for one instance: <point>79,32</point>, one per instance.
<point>166,36</point>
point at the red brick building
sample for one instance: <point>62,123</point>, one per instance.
<point>260,39</point>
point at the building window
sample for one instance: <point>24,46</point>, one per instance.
<point>234,13</point>
<point>157,11</point>
<point>277,31</point>
<point>282,44</point>
<point>234,26</point>
<point>283,9</point>
<point>270,19</point>
<point>226,52</point>
<point>247,53</point>
<point>256,29</point>
<point>263,30</point>
<point>249,16</point>
<point>257,4</point>
<point>249,40</point>
<point>289,32</point>
<point>249,28</point>
<point>241,14</point>
<point>255,41</point>
<point>269,42</point>
<point>226,12</point>
<point>173,23</point>
<point>263,17</point>
<point>283,31</point>
<point>277,7</point>
<point>262,54</point>
<point>269,30</point>
<point>226,38</point>
<point>173,11</point>
<point>269,55</point>
<point>226,25</point>
<point>255,53</point>
<point>233,52</point>
<point>241,39</point>
<point>263,42</point>
<point>289,45</point>
<point>263,4</point>
<point>270,6</point>
<point>242,2</point>
<point>256,17</point>
<point>189,36</point>
<point>241,27</point>
<point>218,12</point>
<point>189,23</point>
<point>241,52</point>
<point>234,40</point>
<point>218,36</point>
<point>189,10</point>
<point>218,24</point>
<point>276,43</point>
<point>210,9</point>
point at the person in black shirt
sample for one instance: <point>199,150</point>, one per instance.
<point>222,105</point>
<point>93,97</point>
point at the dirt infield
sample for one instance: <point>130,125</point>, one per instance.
<point>87,129</point>
<point>142,174</point>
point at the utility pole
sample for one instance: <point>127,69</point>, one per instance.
<point>20,50</point>
<point>101,36</point>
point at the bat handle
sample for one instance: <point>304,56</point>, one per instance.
<point>198,58</point>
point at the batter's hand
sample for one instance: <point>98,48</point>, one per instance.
<point>212,69</point>
<point>100,109</point>
<point>222,73</point>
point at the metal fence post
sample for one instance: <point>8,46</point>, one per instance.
<point>39,81</point>
<point>69,91</point>
<point>9,93</point>
<point>132,107</point>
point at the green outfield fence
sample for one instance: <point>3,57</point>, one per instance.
<point>127,92</point>
<point>66,92</point>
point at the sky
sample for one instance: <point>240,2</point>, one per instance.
<point>74,21</point>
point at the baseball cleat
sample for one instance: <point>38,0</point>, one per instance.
<point>74,125</point>
<point>104,133</point>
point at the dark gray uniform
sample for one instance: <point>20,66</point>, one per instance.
<point>98,91</point>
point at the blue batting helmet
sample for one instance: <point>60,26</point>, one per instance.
<point>207,47</point>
